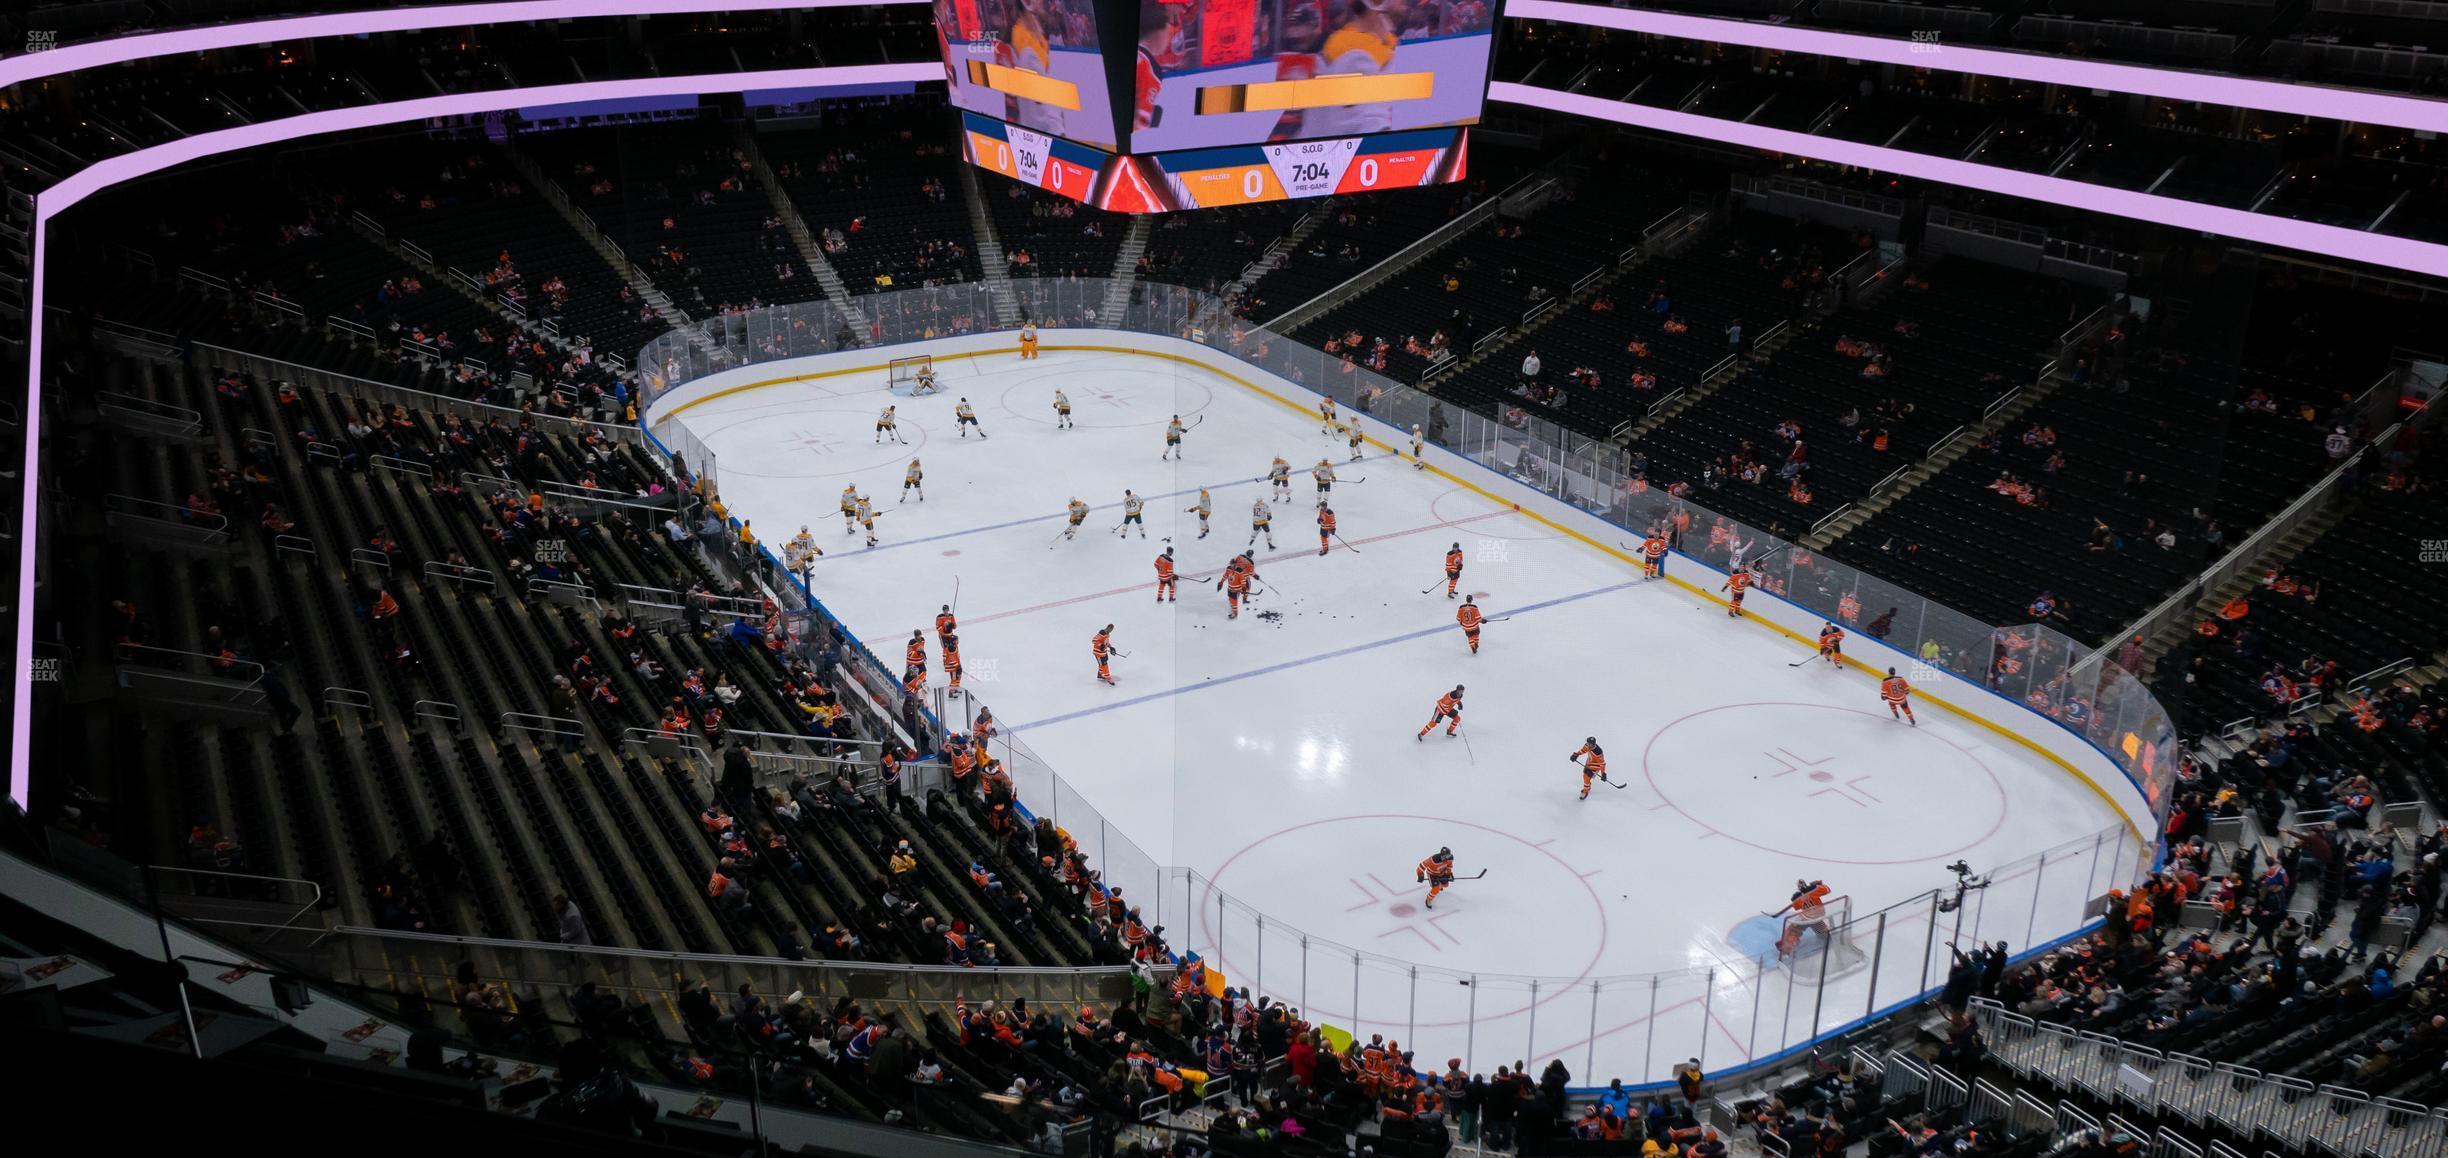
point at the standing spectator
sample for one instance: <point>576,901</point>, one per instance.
<point>1734,343</point>
<point>738,776</point>
<point>1993,969</point>
<point>1962,978</point>
<point>1530,367</point>
<point>1501,1105</point>
<point>1688,1075</point>
<point>573,921</point>
<point>1471,1101</point>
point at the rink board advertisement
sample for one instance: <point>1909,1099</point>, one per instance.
<point>2010,721</point>
<point>1032,62</point>
<point>1208,178</point>
<point>1229,72</point>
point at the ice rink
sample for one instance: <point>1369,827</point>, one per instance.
<point>1274,761</point>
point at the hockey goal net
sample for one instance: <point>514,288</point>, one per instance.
<point>1803,939</point>
<point>905,372</point>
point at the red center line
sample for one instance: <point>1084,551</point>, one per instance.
<point>1203,576</point>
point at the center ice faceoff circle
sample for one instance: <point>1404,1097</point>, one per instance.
<point>1349,881</point>
<point>1107,397</point>
<point>1814,781</point>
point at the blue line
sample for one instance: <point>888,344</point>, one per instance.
<point>1102,507</point>
<point>1304,661</point>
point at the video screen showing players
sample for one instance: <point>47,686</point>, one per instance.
<point>1034,63</point>
<point>1231,72</point>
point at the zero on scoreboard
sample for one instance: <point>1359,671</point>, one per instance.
<point>1208,178</point>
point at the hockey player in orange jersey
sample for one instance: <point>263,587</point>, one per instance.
<point>1896,691</point>
<point>1453,568</point>
<point>1235,583</point>
<point>1448,707</point>
<point>1831,643</point>
<point>1437,871</point>
<point>1808,909</point>
<point>1738,582</point>
<point>1592,759</point>
<point>1653,555</point>
<point>1469,617</point>
<point>1102,647</point>
<point>1164,576</point>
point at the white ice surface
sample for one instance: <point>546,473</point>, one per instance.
<point>1276,759</point>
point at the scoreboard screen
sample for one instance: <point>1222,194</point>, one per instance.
<point>1036,63</point>
<point>1207,178</point>
<point>1226,72</point>
<point>1238,175</point>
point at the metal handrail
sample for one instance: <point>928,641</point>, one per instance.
<point>125,504</point>
<point>534,722</point>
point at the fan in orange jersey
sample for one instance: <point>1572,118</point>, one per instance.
<point>1809,909</point>
<point>1468,616</point>
<point>1326,526</point>
<point>1653,555</point>
<point>1738,582</point>
<point>945,623</point>
<point>1453,568</point>
<point>1898,694</point>
<point>1831,643</point>
<point>1449,707</point>
<point>1592,759</point>
<point>1437,872</point>
<point>1164,575</point>
<point>952,661</point>
<point>1103,648</point>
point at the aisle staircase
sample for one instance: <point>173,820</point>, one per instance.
<point>993,265</point>
<point>1841,521</point>
<point>459,282</point>
<point>1281,251</point>
<point>802,238</point>
<point>639,283</point>
<point>1126,265</point>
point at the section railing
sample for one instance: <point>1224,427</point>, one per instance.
<point>2247,1102</point>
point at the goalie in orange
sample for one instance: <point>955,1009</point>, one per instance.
<point>1809,911</point>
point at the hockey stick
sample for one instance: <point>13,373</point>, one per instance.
<point>1428,588</point>
<point>1801,661</point>
<point>1346,544</point>
<point>1466,744</point>
<point>1498,619</point>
